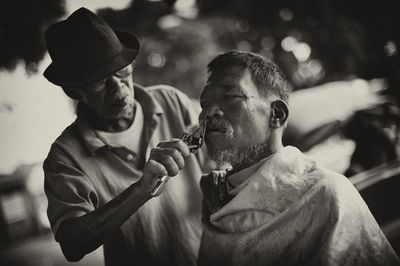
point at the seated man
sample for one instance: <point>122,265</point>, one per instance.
<point>275,206</point>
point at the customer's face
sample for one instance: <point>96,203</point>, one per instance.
<point>111,97</point>
<point>235,113</point>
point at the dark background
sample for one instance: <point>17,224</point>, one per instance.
<point>346,38</point>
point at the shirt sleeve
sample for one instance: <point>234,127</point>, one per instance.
<point>69,192</point>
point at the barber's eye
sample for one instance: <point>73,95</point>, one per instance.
<point>97,87</point>
<point>124,73</point>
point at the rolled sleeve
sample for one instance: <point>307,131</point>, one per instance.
<point>69,192</point>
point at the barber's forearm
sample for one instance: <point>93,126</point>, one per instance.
<point>80,236</point>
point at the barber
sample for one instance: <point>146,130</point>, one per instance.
<point>100,172</point>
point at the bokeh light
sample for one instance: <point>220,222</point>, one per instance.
<point>156,60</point>
<point>289,43</point>
<point>286,14</point>
<point>390,48</point>
<point>302,51</point>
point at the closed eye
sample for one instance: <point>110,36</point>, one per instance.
<point>232,96</point>
<point>123,74</point>
<point>97,87</point>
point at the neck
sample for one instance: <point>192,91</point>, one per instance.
<point>253,154</point>
<point>104,124</point>
<point>248,156</point>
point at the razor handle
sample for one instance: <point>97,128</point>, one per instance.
<point>194,143</point>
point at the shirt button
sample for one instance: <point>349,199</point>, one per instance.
<point>129,157</point>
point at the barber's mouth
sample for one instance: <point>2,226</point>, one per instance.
<point>121,103</point>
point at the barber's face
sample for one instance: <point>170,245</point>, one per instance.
<point>111,97</point>
<point>235,113</point>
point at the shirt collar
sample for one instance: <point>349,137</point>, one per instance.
<point>150,108</point>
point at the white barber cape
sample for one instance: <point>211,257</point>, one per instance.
<point>286,210</point>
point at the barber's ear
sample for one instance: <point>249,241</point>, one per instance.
<point>279,113</point>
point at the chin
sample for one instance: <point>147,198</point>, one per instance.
<point>218,153</point>
<point>125,112</point>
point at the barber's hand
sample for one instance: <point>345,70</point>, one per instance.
<point>165,159</point>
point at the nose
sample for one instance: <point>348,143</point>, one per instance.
<point>211,111</point>
<point>115,83</point>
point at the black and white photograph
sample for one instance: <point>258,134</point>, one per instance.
<point>199,133</point>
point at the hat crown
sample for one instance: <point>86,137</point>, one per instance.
<point>82,39</point>
<point>85,49</point>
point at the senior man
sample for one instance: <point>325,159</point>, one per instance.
<point>97,181</point>
<point>275,206</point>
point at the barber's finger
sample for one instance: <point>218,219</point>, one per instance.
<point>169,164</point>
<point>159,154</point>
<point>177,156</point>
<point>155,169</point>
<point>178,144</point>
<point>152,172</point>
<point>162,156</point>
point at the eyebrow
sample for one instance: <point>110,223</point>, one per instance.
<point>234,89</point>
<point>124,72</point>
<point>230,89</point>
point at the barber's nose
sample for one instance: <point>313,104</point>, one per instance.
<point>115,83</point>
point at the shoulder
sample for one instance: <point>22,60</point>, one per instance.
<point>163,89</point>
<point>174,101</point>
<point>314,173</point>
<point>336,181</point>
<point>172,95</point>
<point>338,186</point>
<point>67,148</point>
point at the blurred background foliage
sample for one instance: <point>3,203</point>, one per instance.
<point>313,41</point>
<point>22,23</point>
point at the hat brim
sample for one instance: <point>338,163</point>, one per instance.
<point>79,76</point>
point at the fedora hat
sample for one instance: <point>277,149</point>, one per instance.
<point>84,49</point>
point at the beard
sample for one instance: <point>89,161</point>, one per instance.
<point>239,155</point>
<point>233,151</point>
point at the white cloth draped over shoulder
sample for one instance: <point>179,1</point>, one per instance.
<point>286,210</point>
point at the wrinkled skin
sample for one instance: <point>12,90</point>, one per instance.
<point>110,100</point>
<point>237,116</point>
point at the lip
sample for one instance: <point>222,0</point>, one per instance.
<point>210,129</point>
<point>120,108</point>
<point>121,103</point>
<point>213,133</point>
<point>213,130</point>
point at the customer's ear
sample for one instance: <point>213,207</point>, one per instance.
<point>279,114</point>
